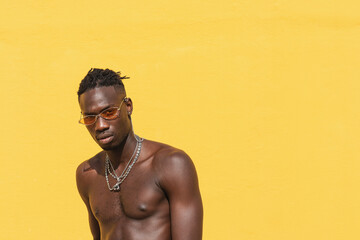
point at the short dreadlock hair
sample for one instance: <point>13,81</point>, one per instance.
<point>97,77</point>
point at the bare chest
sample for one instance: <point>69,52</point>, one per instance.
<point>139,198</point>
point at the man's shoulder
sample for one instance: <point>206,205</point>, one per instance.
<point>166,159</point>
<point>86,173</point>
<point>174,169</point>
<point>89,166</point>
<point>162,153</point>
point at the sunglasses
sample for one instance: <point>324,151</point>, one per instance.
<point>107,114</point>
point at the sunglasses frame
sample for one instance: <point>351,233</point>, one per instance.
<point>99,115</point>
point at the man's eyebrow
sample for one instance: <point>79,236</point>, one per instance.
<point>102,109</point>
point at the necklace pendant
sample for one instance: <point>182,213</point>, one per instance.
<point>117,186</point>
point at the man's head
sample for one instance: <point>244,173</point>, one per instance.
<point>100,92</point>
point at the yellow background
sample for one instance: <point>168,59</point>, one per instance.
<point>262,94</point>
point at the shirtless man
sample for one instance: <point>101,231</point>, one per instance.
<point>134,189</point>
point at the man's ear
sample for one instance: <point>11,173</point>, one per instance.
<point>129,106</point>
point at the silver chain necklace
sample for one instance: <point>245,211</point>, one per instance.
<point>127,169</point>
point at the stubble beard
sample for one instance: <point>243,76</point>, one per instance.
<point>114,145</point>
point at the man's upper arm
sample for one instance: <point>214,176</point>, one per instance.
<point>82,185</point>
<point>179,180</point>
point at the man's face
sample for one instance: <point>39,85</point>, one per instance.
<point>109,134</point>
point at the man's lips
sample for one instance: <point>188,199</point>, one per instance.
<point>105,139</point>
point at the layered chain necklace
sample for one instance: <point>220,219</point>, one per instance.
<point>127,169</point>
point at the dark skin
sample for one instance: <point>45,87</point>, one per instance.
<point>160,198</point>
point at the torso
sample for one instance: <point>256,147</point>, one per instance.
<point>140,210</point>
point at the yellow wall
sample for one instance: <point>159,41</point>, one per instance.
<point>263,95</point>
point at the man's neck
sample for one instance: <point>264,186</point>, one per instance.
<point>123,153</point>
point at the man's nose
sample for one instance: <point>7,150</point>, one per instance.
<point>101,124</point>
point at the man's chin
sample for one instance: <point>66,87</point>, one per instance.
<point>107,147</point>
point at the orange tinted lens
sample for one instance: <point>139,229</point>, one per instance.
<point>110,113</point>
<point>88,120</point>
